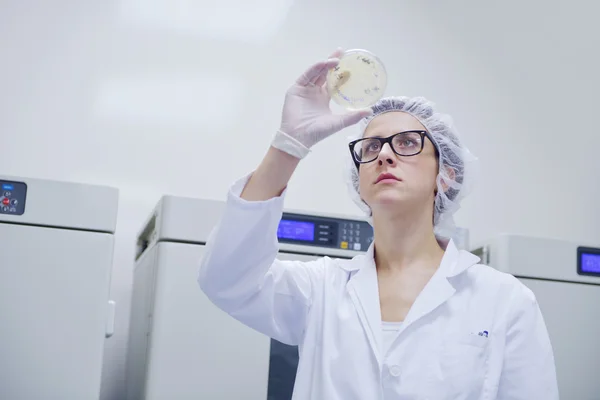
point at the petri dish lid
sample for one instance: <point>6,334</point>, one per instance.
<point>358,81</point>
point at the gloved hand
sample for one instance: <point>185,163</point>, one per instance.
<point>307,117</point>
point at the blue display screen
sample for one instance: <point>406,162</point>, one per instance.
<point>296,230</point>
<point>6,186</point>
<point>590,263</point>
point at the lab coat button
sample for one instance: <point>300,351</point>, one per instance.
<point>395,370</point>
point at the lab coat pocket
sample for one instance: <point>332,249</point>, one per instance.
<point>463,362</point>
<point>471,339</point>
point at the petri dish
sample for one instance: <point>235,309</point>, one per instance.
<point>358,81</point>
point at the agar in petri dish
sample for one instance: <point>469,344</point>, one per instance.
<point>358,81</point>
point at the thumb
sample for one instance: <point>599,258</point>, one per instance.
<point>351,118</point>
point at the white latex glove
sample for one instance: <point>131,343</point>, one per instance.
<point>307,117</point>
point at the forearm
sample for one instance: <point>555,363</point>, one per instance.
<point>240,272</point>
<point>240,250</point>
<point>271,177</point>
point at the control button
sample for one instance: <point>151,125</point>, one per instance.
<point>7,193</point>
<point>356,246</point>
<point>14,202</point>
<point>5,209</point>
<point>5,201</point>
<point>344,245</point>
<point>395,370</point>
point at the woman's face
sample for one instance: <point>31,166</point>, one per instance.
<point>414,181</point>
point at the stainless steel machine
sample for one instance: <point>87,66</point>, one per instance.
<point>56,254</point>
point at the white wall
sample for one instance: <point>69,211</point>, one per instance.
<point>182,97</point>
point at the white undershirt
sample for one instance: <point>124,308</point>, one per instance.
<point>389,332</point>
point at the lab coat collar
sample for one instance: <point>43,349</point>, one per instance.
<point>364,291</point>
<point>454,262</point>
<point>458,261</point>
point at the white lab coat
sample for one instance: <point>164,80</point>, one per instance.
<point>473,332</point>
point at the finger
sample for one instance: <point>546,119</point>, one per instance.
<point>312,74</point>
<point>323,77</point>
<point>330,63</point>
<point>337,53</point>
<point>351,118</point>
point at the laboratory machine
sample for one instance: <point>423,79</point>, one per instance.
<point>56,249</point>
<point>183,347</point>
<point>565,278</point>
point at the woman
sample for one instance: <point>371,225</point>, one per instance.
<point>412,318</point>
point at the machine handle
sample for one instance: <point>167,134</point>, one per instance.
<point>146,237</point>
<point>110,319</point>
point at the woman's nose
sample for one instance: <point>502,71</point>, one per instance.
<point>386,155</point>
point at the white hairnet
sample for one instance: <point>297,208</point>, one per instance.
<point>451,153</point>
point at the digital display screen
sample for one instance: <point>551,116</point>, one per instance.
<point>296,230</point>
<point>590,263</point>
<point>7,186</point>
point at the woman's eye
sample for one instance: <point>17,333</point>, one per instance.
<point>373,147</point>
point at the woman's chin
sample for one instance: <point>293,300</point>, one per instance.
<point>388,198</point>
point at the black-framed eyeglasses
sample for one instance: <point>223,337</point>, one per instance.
<point>406,144</point>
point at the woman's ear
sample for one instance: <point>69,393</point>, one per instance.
<point>451,173</point>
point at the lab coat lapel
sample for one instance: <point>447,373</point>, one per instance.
<point>439,289</point>
<point>364,291</point>
<point>434,294</point>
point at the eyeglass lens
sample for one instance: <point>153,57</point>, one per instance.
<point>404,144</point>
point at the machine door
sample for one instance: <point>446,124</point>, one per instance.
<point>283,360</point>
<point>197,351</point>
<point>570,311</point>
<point>142,300</point>
<point>54,288</point>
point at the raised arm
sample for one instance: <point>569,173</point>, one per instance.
<point>241,275</point>
<point>239,271</point>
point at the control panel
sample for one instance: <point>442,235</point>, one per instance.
<point>588,261</point>
<point>325,232</point>
<point>12,197</point>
